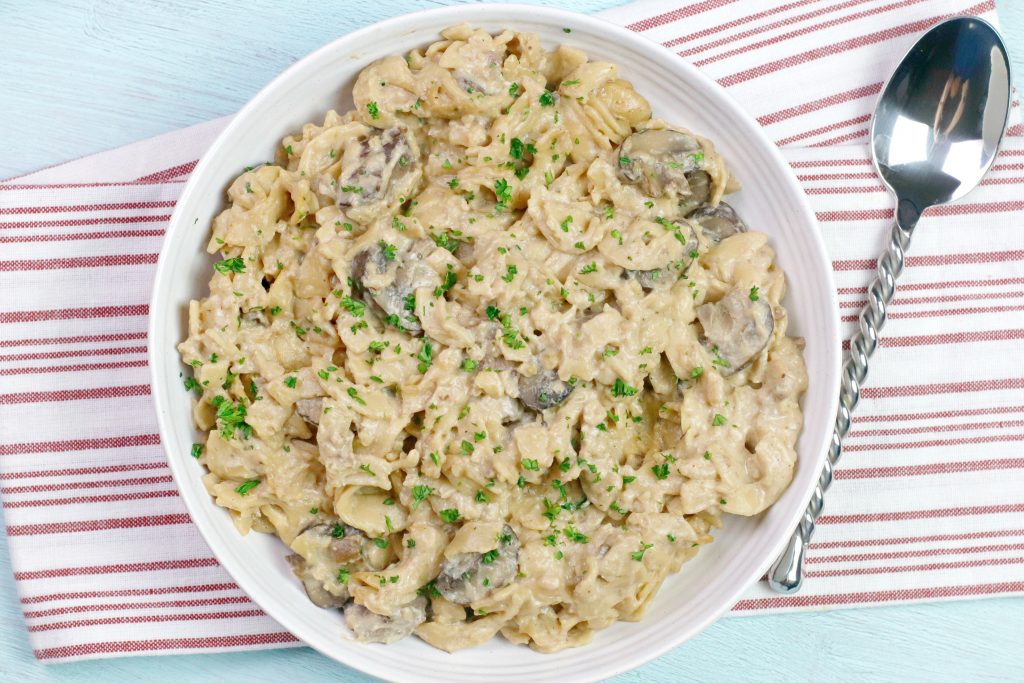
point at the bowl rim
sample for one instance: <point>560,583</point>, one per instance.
<point>198,506</point>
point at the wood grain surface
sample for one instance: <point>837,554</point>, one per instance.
<point>82,77</point>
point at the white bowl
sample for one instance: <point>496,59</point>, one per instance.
<point>771,201</point>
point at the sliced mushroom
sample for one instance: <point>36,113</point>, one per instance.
<point>321,551</point>
<point>255,318</point>
<point>315,590</point>
<point>543,390</point>
<point>468,577</point>
<point>718,222</point>
<point>403,274</point>
<point>658,161</point>
<point>388,169</point>
<point>310,409</point>
<point>700,191</point>
<point>481,74</point>
<point>370,627</point>
<point>736,329</point>
<point>648,279</point>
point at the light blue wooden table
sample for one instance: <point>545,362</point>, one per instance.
<point>82,77</point>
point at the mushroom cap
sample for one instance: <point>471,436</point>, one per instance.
<point>736,329</point>
<point>310,409</point>
<point>543,390</point>
<point>718,222</point>
<point>321,549</point>
<point>468,577</point>
<point>315,590</point>
<point>370,627</point>
<point>404,274</point>
<point>387,169</point>
<point>657,161</point>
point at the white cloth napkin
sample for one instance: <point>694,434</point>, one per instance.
<point>929,500</point>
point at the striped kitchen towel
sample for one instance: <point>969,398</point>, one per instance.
<point>928,503</point>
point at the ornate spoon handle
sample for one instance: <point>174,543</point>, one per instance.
<point>786,575</point>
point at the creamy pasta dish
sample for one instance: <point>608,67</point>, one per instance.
<point>488,352</point>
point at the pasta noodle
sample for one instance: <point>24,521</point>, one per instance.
<point>488,352</point>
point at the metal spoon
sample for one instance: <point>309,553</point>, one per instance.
<point>934,135</point>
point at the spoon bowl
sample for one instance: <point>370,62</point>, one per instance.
<point>934,135</point>
<point>940,118</point>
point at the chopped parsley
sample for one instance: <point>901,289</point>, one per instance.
<point>353,306</point>
<point>467,447</point>
<point>575,536</point>
<point>449,280</point>
<point>447,240</point>
<point>661,471</point>
<point>589,268</point>
<point>718,420</point>
<point>754,296</point>
<point>513,90</point>
<point>338,531</point>
<point>620,388</point>
<point>231,417</point>
<point>231,265</point>
<point>373,109</point>
<point>503,193</point>
<point>639,554</point>
<point>197,450</point>
<point>425,357</point>
<point>343,575</point>
<point>531,465</point>
<point>516,148</point>
<point>449,515</point>
<point>246,486</point>
<point>469,365</point>
<point>419,494</point>
<point>696,372</point>
<point>547,99</point>
<point>354,395</point>
<point>489,557</point>
<point>429,590</point>
<point>290,381</point>
<point>388,249</point>
<point>510,273</point>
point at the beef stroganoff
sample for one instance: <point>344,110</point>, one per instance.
<point>488,352</point>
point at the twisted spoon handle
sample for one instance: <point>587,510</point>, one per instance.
<point>786,575</point>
